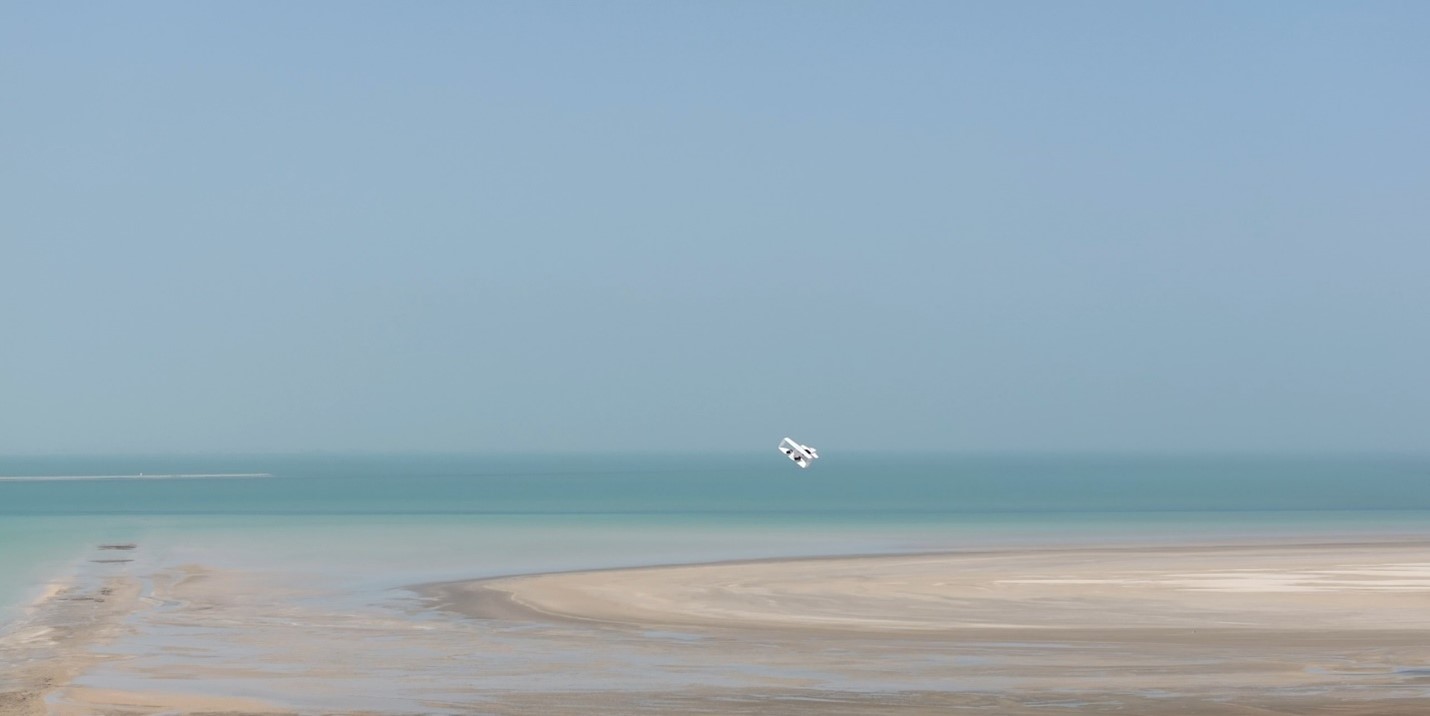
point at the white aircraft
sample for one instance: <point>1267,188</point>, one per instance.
<point>801,454</point>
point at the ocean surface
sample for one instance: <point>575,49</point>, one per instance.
<point>381,522</point>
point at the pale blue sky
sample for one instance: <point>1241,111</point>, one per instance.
<point>1125,226</point>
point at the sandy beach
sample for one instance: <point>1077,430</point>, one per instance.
<point>1293,628</point>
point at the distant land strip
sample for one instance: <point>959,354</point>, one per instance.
<point>140,476</point>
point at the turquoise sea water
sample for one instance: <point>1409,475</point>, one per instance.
<point>383,521</point>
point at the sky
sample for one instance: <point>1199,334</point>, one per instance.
<point>702,226</point>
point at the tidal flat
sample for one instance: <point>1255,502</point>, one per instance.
<point>1266,626</point>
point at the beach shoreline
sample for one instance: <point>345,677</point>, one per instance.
<point>1308,625</point>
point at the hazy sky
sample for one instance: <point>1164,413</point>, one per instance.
<point>473,226</point>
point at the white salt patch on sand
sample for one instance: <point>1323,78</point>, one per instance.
<point>1399,577</point>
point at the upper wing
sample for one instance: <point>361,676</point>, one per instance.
<point>801,454</point>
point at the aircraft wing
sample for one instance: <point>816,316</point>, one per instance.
<point>802,455</point>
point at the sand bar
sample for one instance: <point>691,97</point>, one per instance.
<point>139,476</point>
<point>56,641</point>
<point>1286,587</point>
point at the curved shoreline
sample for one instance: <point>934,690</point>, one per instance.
<point>1359,585</point>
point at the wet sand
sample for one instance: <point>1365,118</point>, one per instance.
<point>55,642</point>
<point>1336,628</point>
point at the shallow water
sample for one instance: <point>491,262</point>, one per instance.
<point>375,522</point>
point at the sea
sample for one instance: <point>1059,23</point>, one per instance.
<point>379,522</point>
